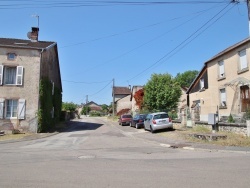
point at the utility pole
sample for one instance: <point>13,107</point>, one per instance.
<point>113,103</point>
<point>86,105</point>
<point>248,9</point>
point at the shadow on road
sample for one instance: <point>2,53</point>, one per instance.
<point>73,126</point>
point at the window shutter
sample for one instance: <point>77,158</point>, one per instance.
<point>243,59</point>
<point>19,75</point>
<point>1,108</point>
<point>1,74</point>
<point>21,109</point>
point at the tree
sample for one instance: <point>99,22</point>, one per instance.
<point>105,108</point>
<point>185,79</point>
<point>85,110</point>
<point>161,92</point>
<point>69,106</point>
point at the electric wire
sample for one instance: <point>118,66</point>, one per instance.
<point>179,45</point>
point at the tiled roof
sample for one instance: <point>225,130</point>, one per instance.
<point>20,43</point>
<point>122,91</point>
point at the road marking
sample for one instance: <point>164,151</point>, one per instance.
<point>165,145</point>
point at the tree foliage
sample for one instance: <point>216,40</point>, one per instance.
<point>69,106</point>
<point>185,79</point>
<point>161,92</point>
<point>85,110</point>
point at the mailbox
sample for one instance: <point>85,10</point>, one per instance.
<point>211,119</point>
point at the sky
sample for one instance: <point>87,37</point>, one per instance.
<point>124,42</point>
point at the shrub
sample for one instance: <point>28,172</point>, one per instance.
<point>231,119</point>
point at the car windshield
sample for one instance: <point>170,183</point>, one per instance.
<point>126,116</point>
<point>160,116</point>
<point>142,116</point>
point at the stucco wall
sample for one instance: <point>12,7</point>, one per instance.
<point>210,98</point>
<point>30,60</point>
<point>134,107</point>
<point>123,103</point>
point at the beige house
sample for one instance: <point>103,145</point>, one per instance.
<point>134,108</point>
<point>222,85</point>
<point>121,97</point>
<point>23,64</point>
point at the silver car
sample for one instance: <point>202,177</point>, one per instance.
<point>156,121</point>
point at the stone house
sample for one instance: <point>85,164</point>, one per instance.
<point>222,85</point>
<point>182,104</point>
<point>121,96</point>
<point>134,108</point>
<point>23,65</point>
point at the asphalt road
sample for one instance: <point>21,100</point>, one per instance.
<point>97,153</point>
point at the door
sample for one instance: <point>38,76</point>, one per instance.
<point>244,97</point>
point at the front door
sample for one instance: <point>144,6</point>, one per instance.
<point>244,97</point>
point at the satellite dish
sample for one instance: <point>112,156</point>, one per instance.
<point>29,35</point>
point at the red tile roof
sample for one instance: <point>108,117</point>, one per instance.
<point>27,44</point>
<point>122,91</point>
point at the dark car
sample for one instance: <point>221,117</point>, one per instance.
<point>138,121</point>
<point>125,119</point>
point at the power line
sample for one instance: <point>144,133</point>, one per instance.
<point>182,43</point>
<point>77,82</point>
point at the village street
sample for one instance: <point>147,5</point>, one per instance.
<point>95,152</point>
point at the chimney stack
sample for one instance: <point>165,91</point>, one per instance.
<point>33,35</point>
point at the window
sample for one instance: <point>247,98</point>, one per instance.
<point>11,56</point>
<point>221,69</point>
<point>243,60</point>
<point>223,97</point>
<point>201,83</point>
<point>12,108</point>
<point>11,75</point>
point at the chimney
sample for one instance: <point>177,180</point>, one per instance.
<point>33,35</point>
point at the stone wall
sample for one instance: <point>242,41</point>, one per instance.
<point>238,128</point>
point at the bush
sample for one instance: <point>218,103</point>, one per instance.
<point>231,119</point>
<point>95,114</point>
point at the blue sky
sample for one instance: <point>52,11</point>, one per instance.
<point>127,43</point>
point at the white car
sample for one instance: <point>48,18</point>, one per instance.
<point>156,121</point>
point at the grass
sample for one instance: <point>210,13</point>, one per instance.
<point>14,136</point>
<point>232,139</point>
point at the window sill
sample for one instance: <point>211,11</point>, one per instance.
<point>243,70</point>
<point>221,78</point>
<point>222,107</point>
<point>203,89</point>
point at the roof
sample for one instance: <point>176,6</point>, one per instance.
<point>27,44</point>
<point>216,56</point>
<point>121,91</point>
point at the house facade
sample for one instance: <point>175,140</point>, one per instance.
<point>23,65</point>
<point>182,104</point>
<point>121,97</point>
<point>222,86</point>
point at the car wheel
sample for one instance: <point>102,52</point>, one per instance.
<point>136,126</point>
<point>151,130</point>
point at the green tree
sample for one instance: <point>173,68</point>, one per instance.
<point>105,108</point>
<point>185,79</point>
<point>161,92</point>
<point>69,106</point>
<point>85,110</point>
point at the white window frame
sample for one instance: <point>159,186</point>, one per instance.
<point>202,83</point>
<point>19,75</point>
<point>223,97</point>
<point>12,109</point>
<point>243,59</point>
<point>221,69</point>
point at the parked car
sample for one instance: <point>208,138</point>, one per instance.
<point>125,119</point>
<point>138,121</point>
<point>156,121</point>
